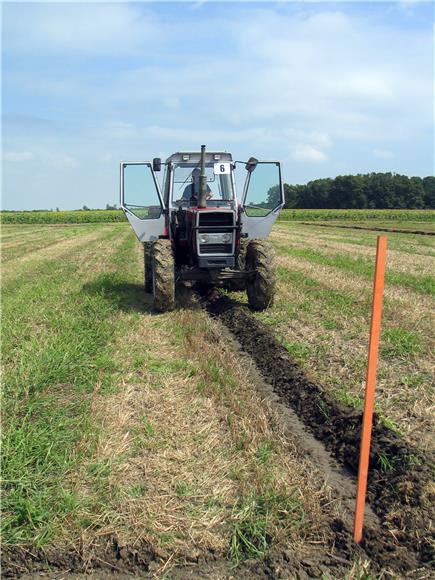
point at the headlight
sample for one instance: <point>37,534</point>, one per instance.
<point>225,238</point>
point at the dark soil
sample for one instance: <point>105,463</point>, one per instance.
<point>141,561</point>
<point>401,484</point>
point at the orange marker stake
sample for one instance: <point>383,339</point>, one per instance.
<point>375,331</point>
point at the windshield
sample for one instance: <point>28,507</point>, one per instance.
<point>187,183</point>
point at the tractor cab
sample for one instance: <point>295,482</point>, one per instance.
<point>184,180</point>
<point>196,210</point>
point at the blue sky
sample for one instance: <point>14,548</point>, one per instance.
<point>325,88</point>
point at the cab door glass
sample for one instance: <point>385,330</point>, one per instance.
<point>140,191</point>
<point>263,192</point>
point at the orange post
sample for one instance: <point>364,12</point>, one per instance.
<point>375,331</point>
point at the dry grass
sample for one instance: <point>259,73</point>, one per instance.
<point>181,445</point>
<point>323,315</point>
<point>412,309</point>
<point>64,248</point>
<point>253,420</point>
<point>398,261</point>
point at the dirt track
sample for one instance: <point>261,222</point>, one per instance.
<point>401,494</point>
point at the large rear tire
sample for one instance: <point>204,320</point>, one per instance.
<point>148,267</point>
<point>260,259</point>
<point>163,269</point>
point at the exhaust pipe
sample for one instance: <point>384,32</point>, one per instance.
<point>202,202</point>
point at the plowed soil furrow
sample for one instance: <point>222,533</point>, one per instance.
<point>401,490</point>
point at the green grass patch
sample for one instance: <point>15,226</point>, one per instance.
<point>298,350</point>
<point>265,452</point>
<point>253,520</point>
<point>57,350</point>
<point>399,343</point>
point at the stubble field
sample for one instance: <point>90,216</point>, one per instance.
<point>163,444</point>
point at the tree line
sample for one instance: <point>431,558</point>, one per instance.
<point>369,191</point>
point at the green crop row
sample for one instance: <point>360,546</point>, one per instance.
<point>400,215</point>
<point>62,217</point>
<point>94,216</point>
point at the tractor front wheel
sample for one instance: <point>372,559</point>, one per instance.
<point>148,267</point>
<point>238,285</point>
<point>260,259</point>
<point>163,270</point>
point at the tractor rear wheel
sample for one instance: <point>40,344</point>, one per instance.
<point>163,270</point>
<point>260,259</point>
<point>148,267</point>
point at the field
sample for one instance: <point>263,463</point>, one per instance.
<point>211,438</point>
<point>62,217</point>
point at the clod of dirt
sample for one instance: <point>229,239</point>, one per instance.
<point>401,489</point>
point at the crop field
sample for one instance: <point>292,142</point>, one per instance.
<point>388,218</point>
<point>212,441</point>
<point>62,217</point>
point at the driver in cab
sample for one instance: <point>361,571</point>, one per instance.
<point>192,190</point>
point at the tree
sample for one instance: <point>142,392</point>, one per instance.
<point>273,197</point>
<point>429,192</point>
<point>372,190</point>
<point>292,194</point>
<point>415,195</point>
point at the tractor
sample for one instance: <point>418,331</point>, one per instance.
<point>195,229</point>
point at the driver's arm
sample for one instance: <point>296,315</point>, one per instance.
<point>209,193</point>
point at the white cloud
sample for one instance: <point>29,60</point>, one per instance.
<point>383,153</point>
<point>80,28</point>
<point>17,156</point>
<point>308,153</point>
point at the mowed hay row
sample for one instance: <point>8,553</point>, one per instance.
<point>25,244</point>
<point>189,456</point>
<point>56,330</point>
<point>64,251</point>
<point>119,423</point>
<point>405,243</point>
<point>330,249</point>
<point>322,314</point>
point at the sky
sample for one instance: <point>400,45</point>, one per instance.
<point>326,88</point>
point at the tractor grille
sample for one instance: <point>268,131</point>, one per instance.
<point>216,222</point>
<point>215,218</point>
<point>215,248</point>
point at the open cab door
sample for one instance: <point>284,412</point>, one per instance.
<point>141,200</point>
<point>263,197</point>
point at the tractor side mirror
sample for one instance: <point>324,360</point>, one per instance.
<point>251,164</point>
<point>157,164</point>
